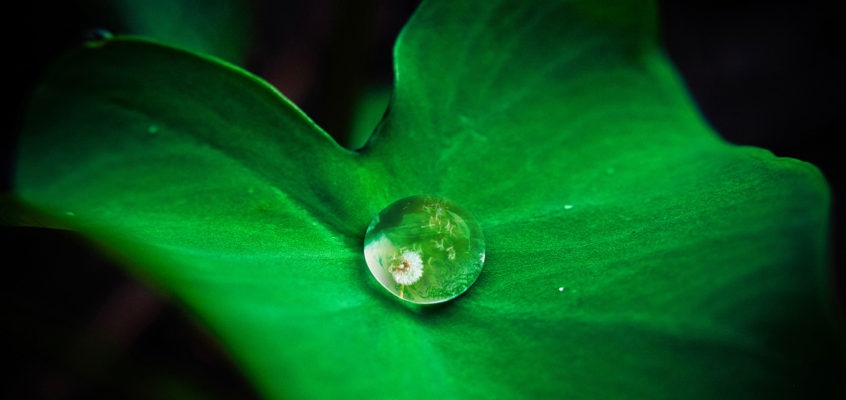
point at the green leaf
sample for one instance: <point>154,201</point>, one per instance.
<point>368,110</point>
<point>630,251</point>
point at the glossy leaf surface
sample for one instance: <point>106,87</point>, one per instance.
<point>630,251</point>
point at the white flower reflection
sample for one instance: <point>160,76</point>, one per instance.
<point>407,268</point>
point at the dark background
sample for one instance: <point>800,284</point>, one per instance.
<point>768,74</point>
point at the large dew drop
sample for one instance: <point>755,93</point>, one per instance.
<point>424,249</point>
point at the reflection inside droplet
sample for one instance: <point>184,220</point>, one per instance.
<point>424,249</point>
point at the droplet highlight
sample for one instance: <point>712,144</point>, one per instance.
<point>424,249</point>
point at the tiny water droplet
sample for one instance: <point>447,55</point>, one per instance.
<point>70,213</point>
<point>153,129</point>
<point>97,36</point>
<point>424,249</point>
<point>568,206</point>
<point>561,289</point>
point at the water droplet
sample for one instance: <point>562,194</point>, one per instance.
<point>561,289</point>
<point>153,129</point>
<point>70,213</point>
<point>424,249</point>
<point>97,36</point>
<point>568,206</point>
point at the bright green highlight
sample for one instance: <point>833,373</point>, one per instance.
<point>630,252</point>
<point>424,249</point>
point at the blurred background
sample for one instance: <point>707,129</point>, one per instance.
<point>768,74</point>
